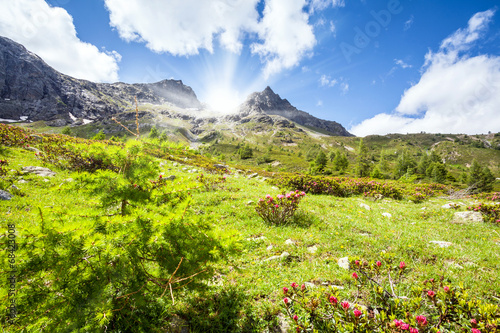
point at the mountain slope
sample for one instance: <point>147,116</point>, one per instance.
<point>270,103</point>
<point>31,88</point>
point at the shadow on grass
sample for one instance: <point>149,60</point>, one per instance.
<point>228,310</point>
<point>303,219</point>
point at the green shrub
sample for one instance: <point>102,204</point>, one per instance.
<point>432,306</point>
<point>281,210</point>
<point>99,136</point>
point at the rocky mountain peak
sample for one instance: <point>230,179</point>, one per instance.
<point>32,89</point>
<point>269,103</point>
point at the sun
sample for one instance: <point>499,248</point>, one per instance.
<point>223,99</point>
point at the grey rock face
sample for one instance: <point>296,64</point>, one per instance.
<point>270,103</point>
<point>31,88</point>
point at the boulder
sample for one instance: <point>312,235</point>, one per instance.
<point>468,217</point>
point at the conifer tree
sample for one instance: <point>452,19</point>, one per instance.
<point>363,164</point>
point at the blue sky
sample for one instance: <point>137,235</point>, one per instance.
<point>376,67</point>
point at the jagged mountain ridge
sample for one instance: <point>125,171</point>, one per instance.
<point>270,103</point>
<point>31,88</point>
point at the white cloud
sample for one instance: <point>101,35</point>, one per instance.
<point>319,103</point>
<point>344,88</point>
<point>282,37</point>
<point>286,34</point>
<point>184,27</point>
<point>456,93</point>
<point>401,63</point>
<point>409,23</point>
<point>318,5</point>
<point>326,81</point>
<point>49,32</point>
<point>333,29</point>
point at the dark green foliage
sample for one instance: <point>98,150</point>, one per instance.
<point>331,156</point>
<point>363,163</point>
<point>423,164</point>
<point>404,163</point>
<point>480,179</point>
<point>376,173</point>
<point>246,152</point>
<point>439,173</point>
<point>154,133</point>
<point>311,154</point>
<point>99,136</point>
<point>66,131</point>
<point>340,162</point>
<point>320,161</point>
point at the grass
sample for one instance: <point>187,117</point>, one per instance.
<point>245,292</point>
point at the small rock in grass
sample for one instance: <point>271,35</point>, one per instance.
<point>220,166</point>
<point>387,215</point>
<point>365,206</point>
<point>275,188</point>
<point>250,203</point>
<point>285,255</point>
<point>184,169</point>
<point>283,322</point>
<point>32,149</point>
<point>289,242</point>
<point>253,175</point>
<point>344,262</point>
<point>441,243</point>
<point>44,172</point>
<point>256,239</point>
<point>22,181</point>
<point>4,195</point>
<point>467,217</point>
<point>172,177</point>
<point>312,249</point>
<point>270,247</point>
<point>447,206</point>
<point>271,258</point>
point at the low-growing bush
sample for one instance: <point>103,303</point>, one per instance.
<point>279,210</point>
<point>432,306</point>
<point>211,182</point>
<point>491,212</point>
<point>345,187</point>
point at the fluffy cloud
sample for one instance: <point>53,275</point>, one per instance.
<point>50,33</point>
<point>456,93</point>
<point>286,34</point>
<point>323,4</point>
<point>183,27</point>
<point>281,36</point>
